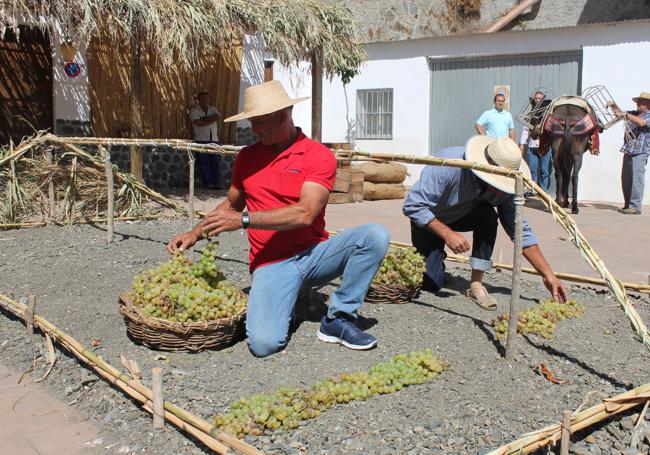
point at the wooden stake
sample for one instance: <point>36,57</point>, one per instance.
<point>29,315</point>
<point>190,209</point>
<point>316,97</point>
<point>158,408</point>
<point>566,433</point>
<point>50,188</point>
<point>516,270</point>
<point>110,186</point>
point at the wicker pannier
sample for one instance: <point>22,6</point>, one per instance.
<point>382,293</point>
<point>163,335</point>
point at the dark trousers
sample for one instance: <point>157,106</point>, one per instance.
<point>482,222</point>
<point>209,167</point>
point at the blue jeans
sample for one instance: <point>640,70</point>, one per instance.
<point>633,179</point>
<point>540,167</point>
<point>482,222</point>
<point>209,166</point>
<point>355,254</point>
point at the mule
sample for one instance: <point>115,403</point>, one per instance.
<point>570,129</point>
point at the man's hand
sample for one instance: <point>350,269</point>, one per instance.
<point>183,242</point>
<point>220,220</point>
<point>556,288</point>
<point>456,242</point>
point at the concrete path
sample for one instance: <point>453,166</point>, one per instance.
<point>32,421</point>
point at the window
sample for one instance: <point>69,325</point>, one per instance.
<point>375,114</point>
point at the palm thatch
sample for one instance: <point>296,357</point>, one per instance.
<point>181,30</point>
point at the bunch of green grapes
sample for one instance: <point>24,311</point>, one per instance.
<point>401,266</point>
<point>287,407</point>
<point>180,291</point>
<point>541,319</point>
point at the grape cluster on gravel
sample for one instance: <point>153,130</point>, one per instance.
<point>181,291</point>
<point>541,319</point>
<point>288,406</point>
<point>401,266</point>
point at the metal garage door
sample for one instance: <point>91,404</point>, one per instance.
<point>461,89</point>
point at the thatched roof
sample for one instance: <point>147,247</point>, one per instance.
<point>182,30</point>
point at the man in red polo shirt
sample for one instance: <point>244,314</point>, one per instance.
<point>279,191</point>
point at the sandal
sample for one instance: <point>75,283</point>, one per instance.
<point>485,300</point>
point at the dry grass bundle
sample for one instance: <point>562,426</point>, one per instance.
<point>458,15</point>
<point>80,189</point>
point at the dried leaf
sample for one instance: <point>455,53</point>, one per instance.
<point>132,367</point>
<point>548,374</point>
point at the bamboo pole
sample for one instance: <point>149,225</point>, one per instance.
<point>110,215</point>
<point>181,145</point>
<point>579,421</point>
<point>316,96</point>
<point>565,440</point>
<point>190,209</point>
<point>516,271</point>
<point>51,192</point>
<point>24,148</point>
<point>120,379</point>
<point>158,408</point>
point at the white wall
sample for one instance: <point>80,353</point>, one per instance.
<point>625,74</point>
<point>611,57</point>
<point>71,95</point>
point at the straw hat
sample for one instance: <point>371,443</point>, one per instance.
<point>264,99</point>
<point>642,96</point>
<point>496,152</point>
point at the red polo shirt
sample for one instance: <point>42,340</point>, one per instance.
<point>270,181</point>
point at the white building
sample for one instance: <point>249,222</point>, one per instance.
<point>417,93</point>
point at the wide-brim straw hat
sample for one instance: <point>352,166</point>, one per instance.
<point>263,99</point>
<point>642,96</point>
<point>502,152</point>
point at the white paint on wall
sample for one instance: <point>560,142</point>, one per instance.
<point>624,72</point>
<point>611,57</point>
<point>71,94</point>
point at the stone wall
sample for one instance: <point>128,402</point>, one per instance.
<point>75,128</point>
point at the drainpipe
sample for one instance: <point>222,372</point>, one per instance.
<point>510,16</point>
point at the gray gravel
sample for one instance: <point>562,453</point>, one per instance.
<point>479,404</point>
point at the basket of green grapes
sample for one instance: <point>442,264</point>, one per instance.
<point>399,278</point>
<point>184,306</point>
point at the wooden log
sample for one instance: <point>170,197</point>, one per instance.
<point>383,172</point>
<point>338,198</point>
<point>51,191</point>
<point>565,440</point>
<point>158,409</point>
<point>110,188</point>
<point>516,270</point>
<point>316,96</point>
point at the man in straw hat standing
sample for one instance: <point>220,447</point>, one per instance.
<point>279,191</point>
<point>449,200</point>
<point>635,154</point>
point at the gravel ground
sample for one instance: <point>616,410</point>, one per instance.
<point>479,404</point>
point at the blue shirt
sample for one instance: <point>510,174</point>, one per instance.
<point>450,193</point>
<point>496,124</point>
<point>642,133</point>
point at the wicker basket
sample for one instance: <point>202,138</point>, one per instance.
<point>160,334</point>
<point>382,293</point>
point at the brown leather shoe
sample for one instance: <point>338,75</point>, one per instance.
<point>481,297</point>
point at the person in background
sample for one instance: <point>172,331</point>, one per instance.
<point>496,122</point>
<point>635,153</point>
<point>539,162</point>
<point>204,118</point>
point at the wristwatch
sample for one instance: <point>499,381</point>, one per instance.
<point>245,219</point>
